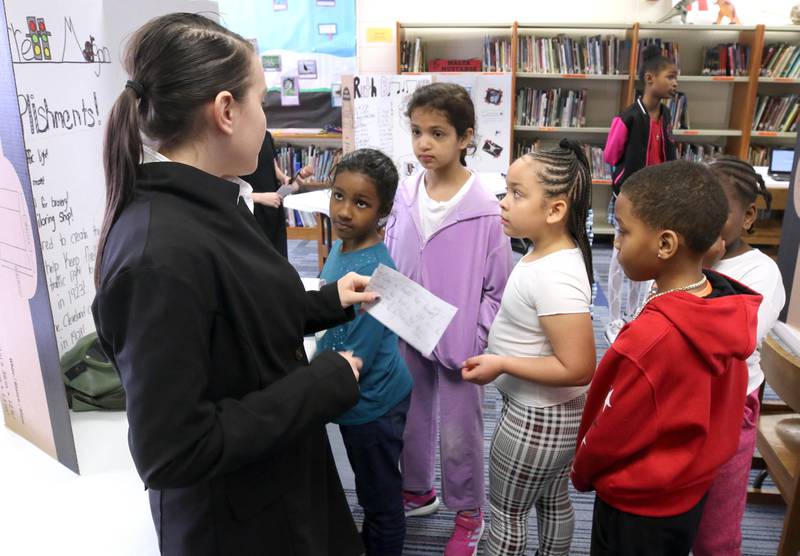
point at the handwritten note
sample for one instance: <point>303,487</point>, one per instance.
<point>409,310</point>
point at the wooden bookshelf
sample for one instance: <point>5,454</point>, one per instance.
<point>721,108</point>
<point>305,137</point>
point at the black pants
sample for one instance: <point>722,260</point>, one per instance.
<point>374,450</point>
<point>619,533</point>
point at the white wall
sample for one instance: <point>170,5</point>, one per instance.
<point>380,57</point>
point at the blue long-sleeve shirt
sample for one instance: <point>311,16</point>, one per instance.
<point>385,380</point>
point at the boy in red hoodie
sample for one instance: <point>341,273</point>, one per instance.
<point>664,408</point>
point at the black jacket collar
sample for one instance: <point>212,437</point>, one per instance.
<point>187,182</point>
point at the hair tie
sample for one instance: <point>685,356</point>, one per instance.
<point>137,87</point>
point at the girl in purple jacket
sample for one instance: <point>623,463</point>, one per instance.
<point>445,234</point>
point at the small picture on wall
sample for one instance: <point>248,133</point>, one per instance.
<point>280,5</point>
<point>492,148</point>
<point>326,3</point>
<point>327,29</point>
<point>493,96</point>
<point>290,90</point>
<point>336,94</point>
<point>307,69</point>
<point>271,63</point>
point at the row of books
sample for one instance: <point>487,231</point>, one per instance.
<point>496,54</point>
<point>669,50</point>
<point>781,60</point>
<point>726,59</point>
<point>759,155</point>
<point>600,170</point>
<point>594,154</point>
<point>291,159</point>
<point>562,54</point>
<point>551,107</point>
<point>679,109</point>
<point>697,152</point>
<point>412,56</point>
<point>299,219</point>
<point>776,113</point>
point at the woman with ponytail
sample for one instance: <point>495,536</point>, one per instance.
<point>205,319</point>
<point>541,352</point>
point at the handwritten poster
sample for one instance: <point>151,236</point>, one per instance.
<point>66,61</point>
<point>31,388</point>
<point>374,115</point>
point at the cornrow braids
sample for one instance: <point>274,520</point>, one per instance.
<point>746,182</point>
<point>565,171</point>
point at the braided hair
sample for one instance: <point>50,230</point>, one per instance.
<point>565,171</point>
<point>746,183</point>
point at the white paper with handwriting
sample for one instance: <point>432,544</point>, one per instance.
<point>409,310</point>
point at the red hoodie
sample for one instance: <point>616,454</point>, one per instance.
<point>665,405</point>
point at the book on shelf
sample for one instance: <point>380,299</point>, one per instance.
<point>679,110</point>
<point>697,152</point>
<point>496,54</point>
<point>561,54</point>
<point>442,65</point>
<point>776,113</point>
<point>781,60</point>
<point>551,107</point>
<point>669,50</point>
<point>726,59</point>
<point>594,154</point>
<point>412,56</point>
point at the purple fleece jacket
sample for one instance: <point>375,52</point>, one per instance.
<point>466,262</point>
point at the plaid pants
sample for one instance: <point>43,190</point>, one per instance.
<point>529,461</point>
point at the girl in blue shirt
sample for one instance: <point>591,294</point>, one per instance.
<point>364,185</point>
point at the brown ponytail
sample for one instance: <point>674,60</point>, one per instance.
<point>177,63</point>
<point>122,152</point>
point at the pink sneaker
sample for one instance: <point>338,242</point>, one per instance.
<point>420,504</point>
<point>468,531</point>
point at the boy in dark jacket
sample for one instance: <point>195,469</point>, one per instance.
<point>664,409</point>
<point>640,136</point>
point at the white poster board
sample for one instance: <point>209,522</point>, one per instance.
<point>66,57</point>
<point>374,115</point>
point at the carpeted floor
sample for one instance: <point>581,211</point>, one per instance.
<point>761,526</point>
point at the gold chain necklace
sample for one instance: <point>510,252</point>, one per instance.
<point>699,283</point>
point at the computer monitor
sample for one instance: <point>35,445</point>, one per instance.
<point>780,162</point>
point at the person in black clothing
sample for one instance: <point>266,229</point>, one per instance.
<point>268,205</point>
<point>268,209</point>
<point>205,320</point>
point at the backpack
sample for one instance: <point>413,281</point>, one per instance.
<point>91,381</point>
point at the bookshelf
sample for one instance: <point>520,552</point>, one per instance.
<point>721,107</point>
<point>303,138</point>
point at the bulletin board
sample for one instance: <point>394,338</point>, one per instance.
<point>305,47</point>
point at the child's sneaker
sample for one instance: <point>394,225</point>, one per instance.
<point>464,541</point>
<point>420,504</point>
